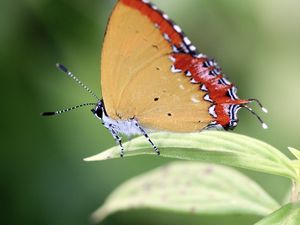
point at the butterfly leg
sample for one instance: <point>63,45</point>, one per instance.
<point>118,139</point>
<point>148,138</point>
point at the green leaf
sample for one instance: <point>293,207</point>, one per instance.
<point>295,152</point>
<point>287,215</point>
<point>210,146</point>
<point>190,187</point>
<point>295,162</point>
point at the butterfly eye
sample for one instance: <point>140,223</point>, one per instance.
<point>98,112</point>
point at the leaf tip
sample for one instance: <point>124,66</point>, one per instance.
<point>99,157</point>
<point>88,159</point>
<point>295,152</point>
<point>291,149</point>
<point>98,216</point>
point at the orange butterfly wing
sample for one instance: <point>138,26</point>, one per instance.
<point>137,81</point>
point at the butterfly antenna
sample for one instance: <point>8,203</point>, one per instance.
<point>66,110</point>
<point>264,125</point>
<point>259,103</point>
<point>70,74</point>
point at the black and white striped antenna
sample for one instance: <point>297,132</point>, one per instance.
<point>58,112</point>
<point>70,74</point>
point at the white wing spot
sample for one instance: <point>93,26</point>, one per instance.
<point>188,73</point>
<point>185,49</point>
<point>212,112</point>
<point>207,98</point>
<point>195,99</point>
<point>177,28</point>
<point>174,70</point>
<point>199,56</point>
<point>175,49</point>
<point>165,16</point>
<point>187,41</point>
<point>192,48</point>
<point>226,81</point>
<point>166,36</point>
<point>193,81</point>
<point>203,87</point>
<point>154,7</point>
<point>172,58</point>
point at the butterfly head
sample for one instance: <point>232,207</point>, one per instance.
<point>99,110</point>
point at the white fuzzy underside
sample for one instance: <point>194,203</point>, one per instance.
<point>127,127</point>
<point>130,127</point>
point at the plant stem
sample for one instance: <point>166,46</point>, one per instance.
<point>295,191</point>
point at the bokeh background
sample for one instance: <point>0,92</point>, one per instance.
<point>43,177</point>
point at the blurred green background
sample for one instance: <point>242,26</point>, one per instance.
<point>43,178</point>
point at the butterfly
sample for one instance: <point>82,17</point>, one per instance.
<point>154,79</point>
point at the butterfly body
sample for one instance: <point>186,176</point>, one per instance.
<point>120,126</point>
